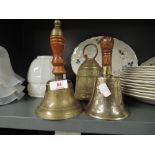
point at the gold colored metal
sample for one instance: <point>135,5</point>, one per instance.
<point>111,107</point>
<point>59,104</point>
<point>86,76</point>
<point>107,70</point>
<point>57,28</point>
<point>108,108</point>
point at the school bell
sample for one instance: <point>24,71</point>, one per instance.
<point>59,102</point>
<point>87,74</point>
<point>106,102</point>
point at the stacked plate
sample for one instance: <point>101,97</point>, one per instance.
<point>11,87</point>
<point>139,82</point>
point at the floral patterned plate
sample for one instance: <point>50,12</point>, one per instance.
<point>122,55</point>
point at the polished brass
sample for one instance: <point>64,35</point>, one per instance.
<point>57,29</point>
<point>59,104</point>
<point>86,76</point>
<point>111,107</point>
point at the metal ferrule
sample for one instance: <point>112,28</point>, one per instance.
<point>107,70</point>
<point>58,77</point>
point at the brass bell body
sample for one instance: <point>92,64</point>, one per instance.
<point>111,106</point>
<point>86,77</point>
<point>108,108</point>
<point>59,104</point>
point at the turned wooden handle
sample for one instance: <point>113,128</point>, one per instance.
<point>106,44</point>
<point>57,43</point>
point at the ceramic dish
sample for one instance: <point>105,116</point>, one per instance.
<point>140,67</point>
<point>122,55</point>
<point>138,87</point>
<point>140,91</point>
<point>137,75</point>
<point>149,62</point>
<point>140,94</point>
<point>138,78</point>
<point>137,81</point>
<point>141,98</point>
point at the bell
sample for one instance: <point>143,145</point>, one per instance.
<point>86,76</point>
<point>106,102</point>
<point>59,102</point>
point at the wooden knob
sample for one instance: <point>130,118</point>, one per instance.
<point>106,44</point>
<point>57,43</point>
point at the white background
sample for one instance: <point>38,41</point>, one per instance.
<point>77,145</point>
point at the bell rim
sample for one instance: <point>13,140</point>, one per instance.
<point>108,118</point>
<point>59,117</point>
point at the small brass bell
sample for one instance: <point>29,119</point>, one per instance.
<point>59,102</point>
<point>86,76</point>
<point>106,102</point>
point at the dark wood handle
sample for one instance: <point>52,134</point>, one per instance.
<point>106,44</point>
<point>57,43</point>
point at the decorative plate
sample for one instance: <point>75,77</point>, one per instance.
<point>122,55</point>
<point>149,62</point>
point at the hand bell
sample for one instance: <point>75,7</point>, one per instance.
<point>59,102</point>
<point>87,74</point>
<point>106,102</point>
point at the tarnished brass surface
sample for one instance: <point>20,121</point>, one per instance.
<point>59,104</point>
<point>86,77</point>
<point>108,108</point>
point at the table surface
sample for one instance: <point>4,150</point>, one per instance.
<point>21,115</point>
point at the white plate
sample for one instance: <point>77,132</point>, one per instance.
<point>122,55</point>
<point>149,62</point>
<point>137,81</point>
<point>141,91</point>
<point>148,79</point>
<point>140,67</point>
<point>137,84</point>
<point>137,75</point>
<point>136,87</point>
<point>141,98</point>
<point>142,95</point>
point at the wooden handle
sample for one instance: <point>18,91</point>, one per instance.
<point>106,44</point>
<point>57,43</point>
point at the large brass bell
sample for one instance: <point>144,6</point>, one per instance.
<point>86,76</point>
<point>59,101</point>
<point>106,102</point>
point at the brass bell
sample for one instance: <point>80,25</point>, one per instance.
<point>86,76</point>
<point>59,102</point>
<point>106,102</point>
